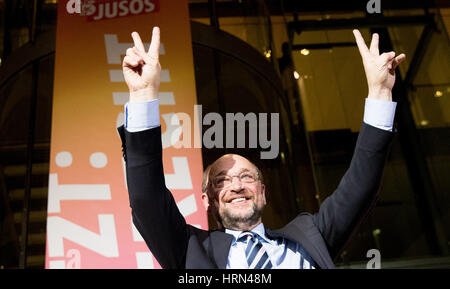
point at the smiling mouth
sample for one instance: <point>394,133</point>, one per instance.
<point>238,200</point>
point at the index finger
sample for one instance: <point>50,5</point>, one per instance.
<point>360,42</point>
<point>137,41</point>
<point>153,50</point>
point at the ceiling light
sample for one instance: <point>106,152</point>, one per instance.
<point>304,51</point>
<point>296,75</point>
<point>438,93</point>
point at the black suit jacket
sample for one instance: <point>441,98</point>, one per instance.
<point>178,245</point>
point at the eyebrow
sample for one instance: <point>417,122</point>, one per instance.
<point>225,172</point>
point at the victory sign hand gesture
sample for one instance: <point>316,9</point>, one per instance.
<point>379,68</point>
<point>141,69</point>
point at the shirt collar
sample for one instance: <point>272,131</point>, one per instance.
<point>260,230</point>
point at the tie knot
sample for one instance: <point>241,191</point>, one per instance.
<point>245,236</point>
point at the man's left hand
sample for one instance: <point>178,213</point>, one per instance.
<point>380,69</point>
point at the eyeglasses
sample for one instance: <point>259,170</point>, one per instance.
<point>224,181</point>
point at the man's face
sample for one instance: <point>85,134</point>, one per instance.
<point>236,194</point>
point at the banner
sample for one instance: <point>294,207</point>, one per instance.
<point>89,217</point>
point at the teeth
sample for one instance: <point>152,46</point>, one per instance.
<point>238,200</point>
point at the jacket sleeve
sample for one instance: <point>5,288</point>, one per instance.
<point>343,211</point>
<point>155,213</point>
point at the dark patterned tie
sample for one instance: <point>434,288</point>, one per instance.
<point>257,257</point>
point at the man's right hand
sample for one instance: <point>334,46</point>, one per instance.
<point>141,69</point>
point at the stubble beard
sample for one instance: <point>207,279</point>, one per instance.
<point>240,222</point>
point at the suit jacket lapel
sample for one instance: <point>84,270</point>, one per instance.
<point>220,245</point>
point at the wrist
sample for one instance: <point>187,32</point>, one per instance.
<point>144,94</point>
<point>380,94</point>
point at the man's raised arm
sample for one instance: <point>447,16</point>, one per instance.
<point>155,213</point>
<point>341,213</point>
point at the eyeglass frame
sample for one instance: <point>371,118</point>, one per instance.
<point>255,176</point>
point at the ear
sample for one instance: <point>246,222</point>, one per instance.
<point>205,201</point>
<point>263,192</point>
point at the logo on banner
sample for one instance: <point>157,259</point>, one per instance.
<point>96,10</point>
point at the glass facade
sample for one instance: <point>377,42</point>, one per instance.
<point>409,221</point>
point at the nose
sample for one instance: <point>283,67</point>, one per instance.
<point>236,184</point>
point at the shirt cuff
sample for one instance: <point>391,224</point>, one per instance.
<point>141,116</point>
<point>380,113</point>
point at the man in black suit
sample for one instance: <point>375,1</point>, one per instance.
<point>233,190</point>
